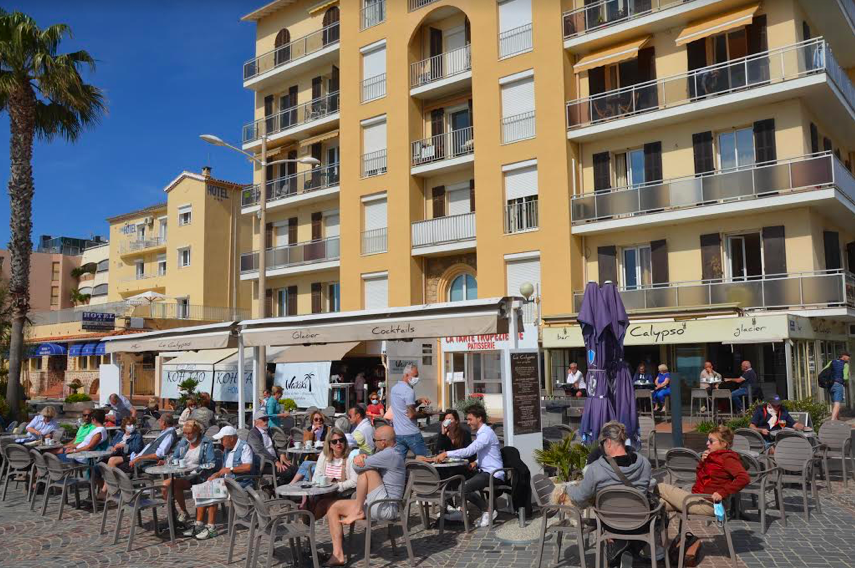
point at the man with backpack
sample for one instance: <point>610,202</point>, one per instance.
<point>832,378</point>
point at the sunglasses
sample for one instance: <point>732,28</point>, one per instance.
<point>87,416</point>
<point>317,420</point>
<point>337,441</point>
<point>711,441</point>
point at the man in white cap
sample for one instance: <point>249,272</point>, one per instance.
<point>262,446</point>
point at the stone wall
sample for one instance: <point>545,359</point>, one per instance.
<point>435,267</point>
<point>89,380</point>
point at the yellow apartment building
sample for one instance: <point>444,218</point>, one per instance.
<point>698,153</point>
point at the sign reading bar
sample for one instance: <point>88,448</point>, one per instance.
<point>525,382</point>
<point>98,321</point>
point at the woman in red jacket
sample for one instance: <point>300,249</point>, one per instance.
<point>720,474</point>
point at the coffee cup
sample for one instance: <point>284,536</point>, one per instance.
<point>319,444</point>
<point>182,463</point>
<point>298,445</point>
<point>322,480</point>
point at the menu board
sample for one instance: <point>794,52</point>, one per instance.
<point>525,386</point>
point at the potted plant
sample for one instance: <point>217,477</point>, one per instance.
<point>471,400</point>
<point>78,402</point>
<point>288,404</point>
<point>75,386</point>
<point>566,457</point>
<point>186,388</point>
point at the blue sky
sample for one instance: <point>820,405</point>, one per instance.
<point>170,71</point>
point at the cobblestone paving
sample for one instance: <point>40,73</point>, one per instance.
<point>29,540</point>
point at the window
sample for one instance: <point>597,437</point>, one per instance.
<point>736,149</point>
<point>99,290</point>
<point>374,223</point>
<point>374,147</point>
<point>744,256</point>
<point>54,272</point>
<point>629,168</point>
<point>161,264</point>
<point>139,269</point>
<point>141,232</point>
<point>459,199</point>
<point>104,265</point>
<point>514,27</point>
<point>182,306</point>
<point>637,267</point>
<point>464,287</point>
<point>184,257</point>
<point>83,363</point>
<point>286,301</point>
<point>37,363</point>
<point>517,109</point>
<point>487,372</point>
<point>161,229</point>
<point>54,295</point>
<point>185,215</point>
<point>427,354</point>
<point>373,13</point>
<point>521,196</point>
<point>374,72</point>
<point>334,297</point>
<point>376,291</point>
<point>520,271</point>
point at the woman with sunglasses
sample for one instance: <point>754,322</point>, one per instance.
<point>337,467</point>
<point>316,430</point>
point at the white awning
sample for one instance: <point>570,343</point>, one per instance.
<point>204,357</point>
<point>212,336</point>
<point>312,353</point>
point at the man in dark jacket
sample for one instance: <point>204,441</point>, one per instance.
<point>262,445</point>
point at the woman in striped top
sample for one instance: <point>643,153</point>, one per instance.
<point>334,464</point>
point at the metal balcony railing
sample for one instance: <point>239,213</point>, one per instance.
<point>140,245</point>
<point>443,146</point>
<point>518,127</point>
<point>598,15</point>
<point>299,115</point>
<point>155,310</point>
<point>372,14</point>
<point>374,241</point>
<point>441,66</point>
<point>521,216</point>
<point>374,88</point>
<point>442,230</point>
<point>293,255</point>
<point>761,69</point>
<point>374,163</point>
<point>827,288</point>
<point>293,51</point>
<point>293,185</point>
<point>805,173</point>
<point>416,4</point>
<point>515,41</point>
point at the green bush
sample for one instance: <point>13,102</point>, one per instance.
<point>462,405</point>
<point>70,430</point>
<point>818,412</point>
<point>78,397</point>
<point>288,404</point>
<point>567,457</point>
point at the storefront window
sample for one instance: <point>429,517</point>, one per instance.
<point>487,372</point>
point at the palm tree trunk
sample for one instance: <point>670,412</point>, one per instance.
<point>22,113</point>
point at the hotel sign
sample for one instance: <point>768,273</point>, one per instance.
<point>98,321</point>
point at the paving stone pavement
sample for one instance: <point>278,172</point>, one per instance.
<point>29,540</point>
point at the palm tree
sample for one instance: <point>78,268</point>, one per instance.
<point>45,96</point>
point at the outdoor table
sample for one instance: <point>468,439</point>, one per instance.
<point>170,471</point>
<point>303,453</point>
<point>305,490</point>
<point>91,457</point>
<point>46,447</point>
<point>449,463</point>
<point>810,434</point>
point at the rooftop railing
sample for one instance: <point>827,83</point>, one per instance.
<point>299,115</point>
<point>443,230</point>
<point>155,310</point>
<point>294,185</point>
<point>293,255</point>
<point>441,66</point>
<point>443,146</point>
<point>598,15</point>
<point>294,51</point>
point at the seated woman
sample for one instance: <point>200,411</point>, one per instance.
<point>642,379</point>
<point>96,439</point>
<point>710,379</point>
<point>452,436</point>
<point>152,408</point>
<point>190,406</point>
<point>41,426</point>
<point>375,407</point>
<point>195,449</point>
<point>316,432</point>
<point>661,388</point>
<point>128,440</point>
<point>336,466</point>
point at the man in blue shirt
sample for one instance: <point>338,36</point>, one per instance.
<point>771,417</point>
<point>403,401</point>
<point>835,392</point>
<point>746,384</point>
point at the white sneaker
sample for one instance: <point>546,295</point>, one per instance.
<point>454,516</point>
<point>484,522</point>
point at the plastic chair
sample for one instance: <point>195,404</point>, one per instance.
<point>296,435</point>
<point>62,476</point>
<point>621,511</point>
<point>685,517</point>
<point>372,524</point>
<point>241,512</point>
<point>647,426</point>
<point>39,475</point>
<point>721,395</point>
<point>426,487</point>
<point>682,466</point>
<point>133,499</point>
<point>755,439</point>
<point>282,522</point>
<point>498,487</point>
<point>243,433</point>
<point>19,462</point>
<point>763,479</point>
<point>794,456</point>
<point>701,396</point>
<point>741,444</point>
<point>542,488</point>
<point>835,440</point>
<point>212,430</point>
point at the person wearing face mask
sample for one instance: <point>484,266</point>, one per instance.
<point>188,410</point>
<point>403,402</point>
<point>128,440</point>
<point>375,408</point>
<point>452,436</point>
<point>196,450</point>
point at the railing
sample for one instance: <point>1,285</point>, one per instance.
<point>515,41</point>
<point>146,276</point>
<point>443,146</point>
<point>372,14</point>
<point>136,246</point>
<point>294,184</point>
<point>374,88</point>
<point>374,241</point>
<point>774,66</point>
<point>521,217</point>
<point>292,117</point>
<point>802,289</point>
<point>416,4</point>
<point>155,310</point>
<point>606,13</point>
<point>293,255</point>
<point>374,163</point>
<point>442,230</point>
<point>293,51</point>
<point>836,72</point>
<point>518,127</point>
<point>805,173</point>
<point>440,66</point>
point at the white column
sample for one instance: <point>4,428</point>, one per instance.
<point>257,377</point>
<point>240,381</point>
<point>507,387</point>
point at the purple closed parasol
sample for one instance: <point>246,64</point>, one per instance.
<point>622,391</point>
<point>595,321</point>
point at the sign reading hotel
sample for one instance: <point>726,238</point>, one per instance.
<point>98,321</point>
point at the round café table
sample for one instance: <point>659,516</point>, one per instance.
<point>303,453</point>
<point>90,457</point>
<point>170,471</point>
<point>305,490</point>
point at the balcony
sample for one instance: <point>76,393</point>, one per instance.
<point>835,21</point>
<point>295,123</point>
<point>302,187</point>
<point>374,88</point>
<point>518,127</point>
<point>515,41</point>
<point>317,48</point>
<point>444,152</point>
<point>521,217</point>
<point>141,246</point>
<point>372,14</point>
<point>154,310</point>
<point>374,241</point>
<point>800,69</point>
<point>819,180</point>
<point>416,4</point>
<point>444,234</point>
<point>825,289</point>
<point>293,259</point>
<point>141,282</point>
<point>374,163</point>
<point>442,74</point>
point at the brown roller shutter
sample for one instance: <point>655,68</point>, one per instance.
<point>317,226</point>
<point>317,303</point>
<point>471,195</point>
<point>702,143</point>
<point>774,250</point>
<point>607,264</point>
<point>268,235</point>
<point>659,260</point>
<point>711,256</point>
<point>653,162</point>
<point>764,141</point>
<point>831,241</point>
<point>292,231</point>
<point>850,256</point>
<point>438,198</point>
<point>814,139</point>
<point>602,176</point>
<point>268,302</point>
<point>292,301</point>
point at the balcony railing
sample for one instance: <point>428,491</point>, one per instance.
<point>804,289</point>
<point>374,241</point>
<point>521,217</point>
<point>299,115</point>
<point>444,230</point>
<point>443,146</point>
<point>441,66</point>
<point>598,15</point>
<point>294,184</point>
<point>518,127</point>
<point>774,66</point>
<point>515,41</point>
<point>374,163</point>
<point>140,245</point>
<point>293,51</point>
<point>416,4</point>
<point>805,173</point>
<point>372,14</point>
<point>155,310</point>
<point>147,276</point>
<point>374,88</point>
<point>293,255</point>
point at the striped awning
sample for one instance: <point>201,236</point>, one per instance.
<point>100,348</point>
<point>322,6</point>
<point>717,24</point>
<point>319,138</point>
<point>607,56</point>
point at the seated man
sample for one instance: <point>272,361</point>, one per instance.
<point>359,422</point>
<point>745,384</point>
<point>262,446</point>
<point>155,450</point>
<point>381,476</point>
<point>489,459</point>
<point>575,382</point>
<point>772,416</point>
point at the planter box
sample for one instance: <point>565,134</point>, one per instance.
<point>78,406</point>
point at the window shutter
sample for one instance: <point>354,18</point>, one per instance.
<point>375,215</point>
<point>467,30</point>
<point>702,143</point>
<point>292,231</point>
<point>814,139</point>
<point>711,256</point>
<point>764,141</point>
<point>374,137</point>
<point>332,227</point>
<point>439,201</point>
<point>696,53</point>
<point>774,250</point>
<point>756,31</point>
<point>646,65</point>
<point>437,121</point>
<point>597,80</point>
<point>607,264</point>
<point>826,144</point>
<point>653,162</point>
<point>317,303</point>
<point>291,167</point>
<point>292,95</point>
<point>376,293</point>
<point>268,105</point>
<point>317,225</point>
<point>520,272</point>
<point>521,183</point>
<point>513,14</point>
<point>317,151</point>
<point>334,77</point>
<point>458,201</point>
<point>472,196</point>
<point>374,63</point>
<point>292,301</point>
<point>317,82</point>
<point>268,235</point>
<point>268,302</point>
<point>850,256</point>
<point>518,97</point>
<point>602,176</point>
<point>659,260</point>
<point>831,240</point>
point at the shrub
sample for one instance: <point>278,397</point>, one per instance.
<point>78,397</point>
<point>75,385</point>
<point>288,404</point>
<point>187,388</point>
<point>462,405</point>
<point>70,430</point>
<point>567,457</point>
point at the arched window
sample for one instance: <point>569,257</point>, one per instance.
<point>283,47</point>
<point>104,265</point>
<point>331,33</point>
<point>100,290</point>
<point>87,290</point>
<point>464,287</point>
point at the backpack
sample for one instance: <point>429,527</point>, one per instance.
<point>824,379</point>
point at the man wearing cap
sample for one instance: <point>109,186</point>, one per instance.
<point>772,416</point>
<point>262,446</point>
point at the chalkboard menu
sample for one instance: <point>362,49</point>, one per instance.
<point>525,383</point>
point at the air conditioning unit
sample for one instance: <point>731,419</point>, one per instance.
<point>149,220</point>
